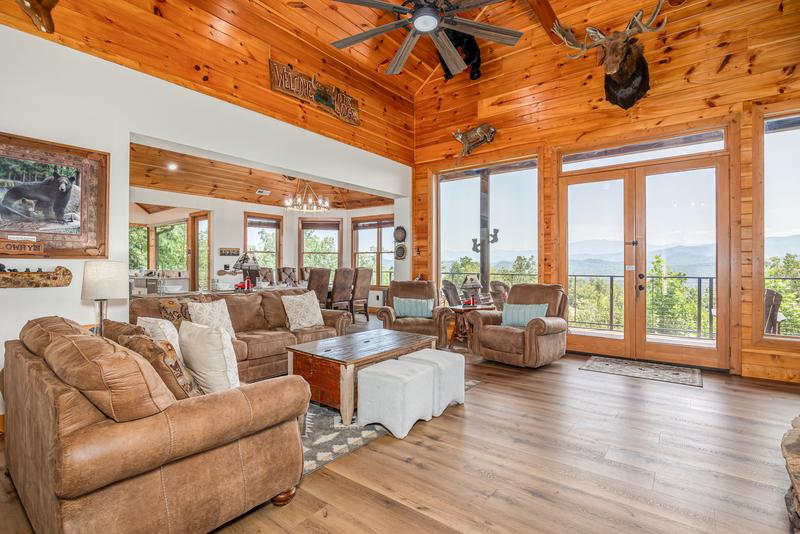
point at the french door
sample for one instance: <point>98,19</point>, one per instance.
<point>199,250</point>
<point>646,256</point>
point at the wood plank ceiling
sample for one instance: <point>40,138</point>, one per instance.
<point>209,178</point>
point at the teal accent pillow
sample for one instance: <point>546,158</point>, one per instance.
<point>518,315</point>
<point>413,307</point>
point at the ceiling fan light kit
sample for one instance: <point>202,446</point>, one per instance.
<point>431,18</point>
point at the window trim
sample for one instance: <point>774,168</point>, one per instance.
<point>149,250</point>
<point>279,245</point>
<point>381,220</point>
<point>337,222</point>
<point>762,112</point>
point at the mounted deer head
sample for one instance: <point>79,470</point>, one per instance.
<point>627,78</point>
<point>40,13</point>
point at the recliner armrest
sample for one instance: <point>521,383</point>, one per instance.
<point>480,318</point>
<point>338,319</point>
<point>104,453</point>
<point>544,326</point>
<point>387,315</point>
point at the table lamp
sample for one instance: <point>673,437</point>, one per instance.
<point>103,281</point>
<point>471,285</point>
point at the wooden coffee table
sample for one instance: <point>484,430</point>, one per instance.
<point>330,366</point>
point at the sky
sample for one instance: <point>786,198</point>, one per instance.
<point>680,206</point>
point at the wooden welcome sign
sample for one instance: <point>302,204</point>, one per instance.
<point>284,79</point>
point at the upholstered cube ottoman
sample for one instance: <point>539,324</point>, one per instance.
<point>395,394</point>
<point>448,376</point>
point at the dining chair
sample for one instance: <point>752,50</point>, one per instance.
<point>267,275</point>
<point>361,285</point>
<point>450,293</point>
<point>288,276</point>
<point>342,291</point>
<point>318,280</point>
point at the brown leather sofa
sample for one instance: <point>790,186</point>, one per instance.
<point>435,326</point>
<point>262,329</point>
<point>95,442</point>
<point>542,341</point>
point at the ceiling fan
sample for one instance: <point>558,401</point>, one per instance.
<point>431,18</point>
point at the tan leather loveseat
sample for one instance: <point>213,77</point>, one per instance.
<point>262,329</point>
<point>96,442</point>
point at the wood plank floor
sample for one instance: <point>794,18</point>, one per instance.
<point>556,450</point>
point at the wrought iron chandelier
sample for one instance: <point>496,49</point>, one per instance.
<point>307,201</point>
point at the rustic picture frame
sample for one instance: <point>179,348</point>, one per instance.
<point>91,240</point>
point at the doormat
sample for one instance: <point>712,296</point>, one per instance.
<point>687,376</point>
<point>326,438</point>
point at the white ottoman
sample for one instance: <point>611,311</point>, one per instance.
<point>448,376</point>
<point>395,394</point>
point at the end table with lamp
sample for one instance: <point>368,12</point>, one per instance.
<point>462,330</point>
<point>104,281</point>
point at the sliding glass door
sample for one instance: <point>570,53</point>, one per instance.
<point>647,260</point>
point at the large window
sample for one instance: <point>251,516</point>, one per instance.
<point>373,244</point>
<point>263,236</point>
<point>320,243</point>
<point>488,224</point>
<point>171,246</point>
<point>781,226</point>
<point>138,247</point>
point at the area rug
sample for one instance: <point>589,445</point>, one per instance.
<point>649,371</point>
<point>326,438</point>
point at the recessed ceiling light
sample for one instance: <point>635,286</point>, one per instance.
<point>172,166</point>
<point>263,192</point>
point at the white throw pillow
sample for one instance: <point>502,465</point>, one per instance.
<point>209,356</point>
<point>212,314</point>
<point>302,310</point>
<point>162,330</point>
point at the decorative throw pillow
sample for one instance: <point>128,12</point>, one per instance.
<point>413,307</point>
<point>175,310</point>
<point>212,314</point>
<point>114,329</point>
<point>119,382</point>
<point>162,356</point>
<point>162,330</point>
<point>209,357</point>
<point>519,315</point>
<point>302,310</point>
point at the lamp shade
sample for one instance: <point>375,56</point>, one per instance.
<point>104,280</point>
<point>471,282</point>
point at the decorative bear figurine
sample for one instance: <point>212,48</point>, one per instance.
<point>472,53</point>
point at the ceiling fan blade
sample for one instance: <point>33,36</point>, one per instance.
<point>451,56</point>
<point>497,34</point>
<point>378,4</point>
<point>465,5</point>
<point>363,36</point>
<point>400,58</point>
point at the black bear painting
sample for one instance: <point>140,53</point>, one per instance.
<point>39,197</point>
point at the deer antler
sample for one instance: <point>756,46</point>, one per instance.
<point>597,38</point>
<point>636,25</point>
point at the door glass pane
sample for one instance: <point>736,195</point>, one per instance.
<point>460,224</point>
<point>782,227</point>
<point>202,254</point>
<point>681,256</point>
<point>513,211</point>
<point>596,248</point>
<point>137,247</point>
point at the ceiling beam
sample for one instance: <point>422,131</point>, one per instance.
<point>547,17</point>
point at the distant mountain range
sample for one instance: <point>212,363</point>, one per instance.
<point>604,257</point>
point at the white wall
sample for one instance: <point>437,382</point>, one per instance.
<point>54,93</point>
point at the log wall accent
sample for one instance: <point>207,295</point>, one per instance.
<point>711,63</point>
<point>222,49</point>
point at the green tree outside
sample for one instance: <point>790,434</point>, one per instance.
<point>137,247</point>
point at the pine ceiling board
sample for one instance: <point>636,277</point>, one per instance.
<point>152,208</point>
<point>206,177</point>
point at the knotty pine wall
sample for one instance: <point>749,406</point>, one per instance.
<point>222,51</point>
<point>714,59</point>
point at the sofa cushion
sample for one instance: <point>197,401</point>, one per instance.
<point>164,360</point>
<point>37,334</point>
<point>302,311</point>
<point>245,312</point>
<point>117,380</point>
<point>272,306</point>
<point>213,314</point>
<point>113,329</point>
<point>263,343</point>
<point>417,325</point>
<point>240,348</point>
<point>503,338</point>
<point>209,356</point>
<point>313,333</point>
